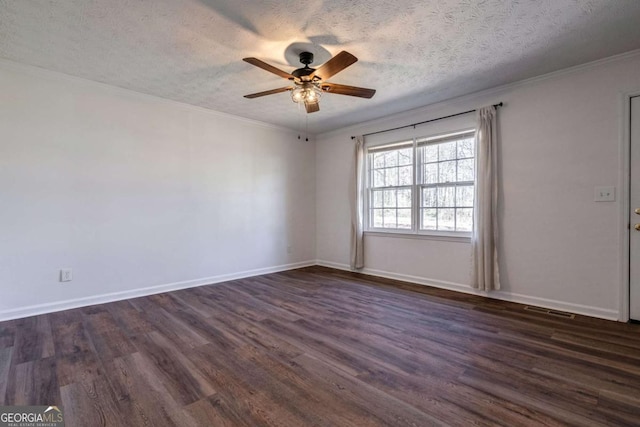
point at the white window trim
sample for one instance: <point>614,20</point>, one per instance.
<point>448,236</point>
<point>414,232</point>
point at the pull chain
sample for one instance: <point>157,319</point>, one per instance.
<point>299,122</point>
<point>306,125</point>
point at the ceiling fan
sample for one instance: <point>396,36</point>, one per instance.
<point>309,83</point>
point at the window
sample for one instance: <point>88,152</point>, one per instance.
<point>423,185</point>
<point>391,186</point>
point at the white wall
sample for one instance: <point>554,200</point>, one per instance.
<point>134,192</point>
<point>560,137</point>
<point>140,195</point>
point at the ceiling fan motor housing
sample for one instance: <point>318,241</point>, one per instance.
<point>306,58</point>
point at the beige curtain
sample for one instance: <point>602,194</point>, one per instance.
<point>356,200</point>
<point>485,231</point>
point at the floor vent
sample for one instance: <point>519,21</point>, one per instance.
<point>550,312</point>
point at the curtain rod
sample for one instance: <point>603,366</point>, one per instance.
<point>426,121</point>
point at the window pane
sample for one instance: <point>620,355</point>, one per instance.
<point>446,196</point>
<point>391,177</point>
<point>464,219</point>
<point>377,218</point>
<point>429,219</point>
<point>377,199</point>
<point>447,172</point>
<point>405,156</point>
<point>378,160</point>
<point>430,153</point>
<point>464,196</point>
<point>465,148</point>
<point>447,150</point>
<point>404,198</point>
<point>465,170</point>
<point>389,218</point>
<point>446,219</point>
<point>389,198</point>
<point>431,173</point>
<point>378,178</point>
<point>429,197</point>
<point>391,158</point>
<point>404,218</point>
<point>405,176</point>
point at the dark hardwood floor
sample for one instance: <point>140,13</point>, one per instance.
<point>321,347</point>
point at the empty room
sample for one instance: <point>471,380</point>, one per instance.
<point>319,213</point>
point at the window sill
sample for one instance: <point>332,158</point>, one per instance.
<point>448,237</point>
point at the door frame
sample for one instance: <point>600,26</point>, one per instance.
<point>625,200</point>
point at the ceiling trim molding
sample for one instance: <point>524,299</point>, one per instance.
<point>493,91</point>
<point>57,76</point>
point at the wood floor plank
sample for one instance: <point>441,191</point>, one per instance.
<point>251,307</point>
<point>7,334</point>
<point>294,384</point>
<point>6,359</point>
<point>76,358</point>
<point>106,336</point>
<point>600,346</point>
<point>33,382</point>
<point>620,409</point>
<point>599,381</point>
<point>205,413</point>
<point>193,302</point>
<point>180,376</point>
<point>254,395</point>
<point>33,339</point>
<point>321,347</point>
<point>210,331</point>
<point>143,398</point>
<point>170,325</point>
<point>389,410</point>
<point>255,334</point>
<point>131,320</point>
<point>91,403</point>
<point>577,416</point>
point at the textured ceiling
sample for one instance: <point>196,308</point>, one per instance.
<point>413,52</point>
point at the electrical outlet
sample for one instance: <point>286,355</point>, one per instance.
<point>66,275</point>
<point>604,194</point>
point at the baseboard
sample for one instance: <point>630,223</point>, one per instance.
<point>34,310</point>
<point>457,287</point>
<point>500,295</point>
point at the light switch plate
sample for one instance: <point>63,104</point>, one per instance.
<point>604,194</point>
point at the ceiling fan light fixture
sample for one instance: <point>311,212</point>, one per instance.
<point>306,93</point>
<point>309,83</point>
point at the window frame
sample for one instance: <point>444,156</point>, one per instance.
<point>403,143</point>
<point>416,187</point>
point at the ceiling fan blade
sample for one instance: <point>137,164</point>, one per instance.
<point>312,107</point>
<point>348,90</point>
<point>336,64</point>
<point>270,68</point>
<point>267,92</point>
